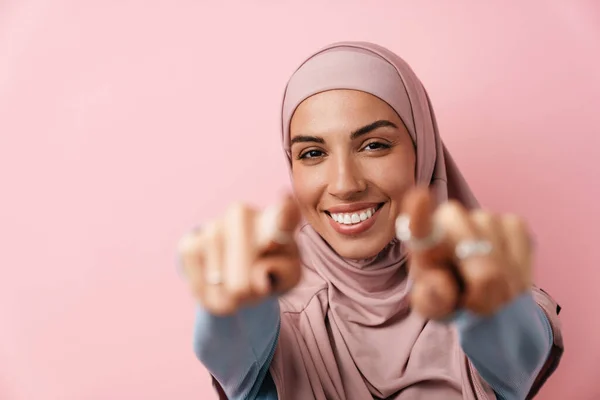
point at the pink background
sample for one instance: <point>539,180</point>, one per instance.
<point>123,123</point>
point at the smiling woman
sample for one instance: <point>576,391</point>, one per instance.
<point>343,142</point>
<point>381,279</point>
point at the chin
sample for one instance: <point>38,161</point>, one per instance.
<point>359,249</point>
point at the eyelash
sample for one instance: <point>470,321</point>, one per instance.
<point>380,146</point>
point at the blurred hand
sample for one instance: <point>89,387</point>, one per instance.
<point>481,280</point>
<point>243,257</point>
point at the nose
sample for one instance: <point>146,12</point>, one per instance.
<point>345,179</point>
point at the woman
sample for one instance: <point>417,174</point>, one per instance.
<point>366,285</point>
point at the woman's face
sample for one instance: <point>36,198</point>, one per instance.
<point>352,162</point>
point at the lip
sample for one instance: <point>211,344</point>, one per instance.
<point>355,229</point>
<point>348,208</point>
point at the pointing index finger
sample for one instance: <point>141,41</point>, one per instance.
<point>277,223</point>
<point>418,207</point>
<point>416,226</point>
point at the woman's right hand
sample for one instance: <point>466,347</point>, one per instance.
<point>243,257</point>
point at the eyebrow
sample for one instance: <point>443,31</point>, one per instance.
<point>382,123</point>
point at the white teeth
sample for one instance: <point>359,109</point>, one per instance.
<point>353,218</point>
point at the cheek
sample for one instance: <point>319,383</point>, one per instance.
<point>307,187</point>
<point>394,176</point>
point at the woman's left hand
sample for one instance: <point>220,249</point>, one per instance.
<point>461,259</point>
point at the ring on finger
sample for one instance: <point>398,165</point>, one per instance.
<point>472,248</point>
<point>418,244</point>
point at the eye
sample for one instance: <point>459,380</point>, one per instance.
<point>373,146</point>
<point>311,154</point>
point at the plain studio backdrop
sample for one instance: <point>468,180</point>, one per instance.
<point>124,123</point>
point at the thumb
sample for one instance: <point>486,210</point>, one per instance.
<point>277,223</point>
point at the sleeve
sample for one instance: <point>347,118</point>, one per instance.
<point>237,350</point>
<point>509,349</point>
<point>551,309</point>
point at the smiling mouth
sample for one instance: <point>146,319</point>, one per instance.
<point>355,217</point>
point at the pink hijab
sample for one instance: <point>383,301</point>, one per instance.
<point>347,332</point>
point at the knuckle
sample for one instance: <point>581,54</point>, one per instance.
<point>451,207</point>
<point>483,280</point>
<point>482,217</point>
<point>237,210</point>
<point>515,222</point>
<point>449,212</point>
<point>455,206</point>
<point>239,290</point>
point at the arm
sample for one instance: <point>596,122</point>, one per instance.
<point>508,349</point>
<point>237,350</point>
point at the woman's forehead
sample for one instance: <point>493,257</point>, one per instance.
<point>339,110</point>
